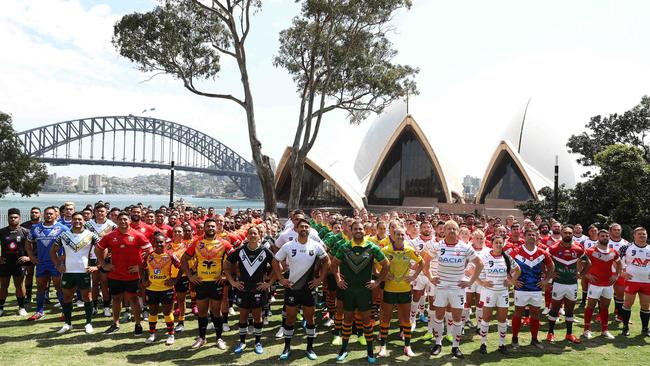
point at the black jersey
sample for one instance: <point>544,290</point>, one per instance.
<point>12,243</point>
<point>252,264</point>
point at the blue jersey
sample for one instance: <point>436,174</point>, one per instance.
<point>66,223</point>
<point>43,238</point>
<point>532,267</point>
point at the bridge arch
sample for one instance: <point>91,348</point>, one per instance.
<point>221,160</point>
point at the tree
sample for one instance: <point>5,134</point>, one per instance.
<point>631,127</point>
<point>186,39</point>
<point>18,171</point>
<point>544,206</point>
<point>340,59</point>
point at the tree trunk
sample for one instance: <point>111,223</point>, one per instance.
<point>265,173</point>
<point>297,172</point>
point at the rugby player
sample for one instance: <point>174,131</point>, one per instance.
<point>101,226</point>
<point>13,256</point>
<point>302,255</point>
<point>77,244</point>
<point>616,241</point>
<point>636,263</point>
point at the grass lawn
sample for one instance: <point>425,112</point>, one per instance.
<point>28,343</point>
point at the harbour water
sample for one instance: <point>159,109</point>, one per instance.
<point>116,200</point>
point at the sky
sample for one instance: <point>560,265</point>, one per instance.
<point>479,61</point>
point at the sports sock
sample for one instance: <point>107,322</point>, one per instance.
<point>552,318</point>
<point>485,326</point>
<point>243,331</point>
<point>438,325</point>
<point>88,309</point>
<point>40,302</point>
<point>258,332</point>
<point>406,331</point>
<point>456,332</point>
<point>203,326</point>
<point>107,303</point>
<point>59,296</point>
<point>224,317</point>
<point>21,302</point>
<point>383,333</point>
<point>358,324</point>
<point>465,315</point>
<point>618,305</point>
<point>589,313</point>
<point>153,320</point>
<point>288,334</point>
<point>414,310</point>
<point>430,324</point>
<point>310,330</point>
<point>67,312</point>
<point>503,330</point>
<point>516,325</point>
<point>218,325</point>
<point>604,318</point>
<point>450,322</point>
<point>346,331</point>
<point>625,314</point>
<point>338,323</point>
<point>169,323</point>
<point>479,314</point>
<point>569,324</point>
<point>534,328</point>
<point>367,330</point>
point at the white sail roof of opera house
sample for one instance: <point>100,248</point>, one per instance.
<point>383,133</point>
<point>545,135</point>
<point>338,173</point>
<point>533,179</point>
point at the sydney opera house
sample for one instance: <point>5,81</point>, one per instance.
<point>400,165</point>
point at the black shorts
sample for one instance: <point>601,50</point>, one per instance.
<point>249,299</point>
<point>11,270</point>
<point>164,297</point>
<point>304,297</point>
<point>183,284</point>
<point>331,282</point>
<point>107,261</point>
<point>118,287</point>
<point>209,290</point>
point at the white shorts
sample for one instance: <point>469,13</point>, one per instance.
<point>491,298</point>
<point>455,298</point>
<point>476,288</point>
<point>596,292</point>
<point>532,298</point>
<point>420,283</point>
<point>562,291</point>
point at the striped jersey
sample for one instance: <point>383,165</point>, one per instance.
<point>452,260</point>
<point>531,264</point>
<point>495,269</point>
<point>588,243</point>
<point>302,260</point>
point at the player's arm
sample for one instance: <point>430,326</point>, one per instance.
<point>29,248</point>
<point>337,273</point>
<point>619,271</point>
<point>478,268</point>
<point>385,267</point>
<point>144,275</point>
<point>280,256</point>
<point>549,269</point>
<point>583,266</point>
<point>417,267</point>
<point>325,266</point>
<point>426,262</point>
<point>228,271</point>
<point>185,266</point>
<point>54,249</point>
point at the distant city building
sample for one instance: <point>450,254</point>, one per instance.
<point>51,179</point>
<point>470,186</point>
<point>82,183</point>
<point>94,181</point>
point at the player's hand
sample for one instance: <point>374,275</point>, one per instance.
<point>612,280</point>
<point>146,283</point>
<point>263,286</point>
<point>134,269</point>
<point>238,285</point>
<point>435,280</point>
<point>555,275</point>
<point>91,269</point>
<point>107,267</point>
<point>519,284</point>
<point>464,284</point>
<point>315,283</point>
<point>410,279</point>
<point>33,259</point>
<point>286,283</point>
<point>627,276</point>
<point>372,284</point>
<point>489,284</point>
<point>342,284</point>
<point>589,277</point>
<point>195,279</point>
<point>61,267</point>
<point>390,276</point>
<point>21,260</point>
<point>543,284</point>
<point>170,282</point>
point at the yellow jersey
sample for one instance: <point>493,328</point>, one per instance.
<point>159,269</point>
<point>400,262</point>
<point>209,256</point>
<point>179,249</point>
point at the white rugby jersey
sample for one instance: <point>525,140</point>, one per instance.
<point>100,230</point>
<point>495,270</point>
<point>302,260</point>
<point>452,261</point>
<point>77,248</point>
<point>430,249</point>
<point>419,245</point>
<point>290,234</point>
<point>588,243</point>
<point>616,245</point>
<point>636,261</point>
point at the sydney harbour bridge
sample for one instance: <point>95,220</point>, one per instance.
<point>134,141</point>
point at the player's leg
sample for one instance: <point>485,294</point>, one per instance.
<point>440,303</point>
<point>590,305</point>
<point>56,281</point>
<point>95,288</point>
<point>202,305</point>
<point>106,294</point>
<point>153,300</point>
<point>502,325</point>
<point>346,331</point>
<point>308,310</point>
<point>243,322</point>
<point>535,315</point>
<point>131,297</point>
<point>385,315</point>
<point>258,323</point>
<point>619,297</point>
<point>626,310</point>
<point>291,310</point>
<point>644,302</point>
<point>516,319</point>
<point>41,287</point>
<point>86,296</point>
<point>558,296</point>
<point>403,315</point>
<point>584,285</point>
<point>166,303</point>
<point>68,293</point>
<point>418,293</point>
<point>217,320</point>
<point>4,291</point>
<point>458,304</point>
<point>29,282</point>
<point>467,307</point>
<point>570,300</point>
